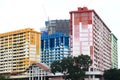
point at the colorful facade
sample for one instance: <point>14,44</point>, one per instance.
<point>54,47</point>
<point>114,51</point>
<point>18,50</point>
<point>91,36</point>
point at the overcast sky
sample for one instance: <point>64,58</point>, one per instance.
<point>18,14</point>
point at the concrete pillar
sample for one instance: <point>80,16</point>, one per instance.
<point>32,73</point>
<point>93,77</point>
<point>44,75</point>
<point>38,74</point>
<point>41,75</point>
<point>89,77</point>
<point>29,74</point>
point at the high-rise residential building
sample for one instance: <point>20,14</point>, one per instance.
<point>54,47</point>
<point>18,50</point>
<point>90,36</point>
<point>54,26</point>
<point>114,51</point>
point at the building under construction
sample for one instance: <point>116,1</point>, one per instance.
<point>54,47</point>
<point>61,26</point>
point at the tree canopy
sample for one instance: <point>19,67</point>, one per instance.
<point>112,74</point>
<point>4,77</point>
<point>72,67</point>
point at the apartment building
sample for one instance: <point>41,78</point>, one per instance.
<point>114,51</point>
<point>91,36</point>
<point>54,47</point>
<point>18,50</point>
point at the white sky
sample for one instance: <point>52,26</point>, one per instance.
<point>18,14</point>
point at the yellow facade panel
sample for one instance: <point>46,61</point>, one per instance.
<point>19,43</point>
<point>37,44</point>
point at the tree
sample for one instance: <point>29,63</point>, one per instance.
<point>4,77</point>
<point>72,67</point>
<point>62,66</point>
<point>55,67</point>
<point>83,62</point>
<point>112,74</point>
<point>66,65</point>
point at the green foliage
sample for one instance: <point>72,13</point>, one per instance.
<point>55,67</point>
<point>4,77</point>
<point>75,73</point>
<point>112,74</point>
<point>83,61</point>
<point>72,67</point>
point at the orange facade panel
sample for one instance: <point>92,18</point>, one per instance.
<point>32,38</point>
<point>38,44</point>
<point>19,42</point>
<point>17,32</point>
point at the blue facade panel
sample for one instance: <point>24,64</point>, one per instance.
<point>54,47</point>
